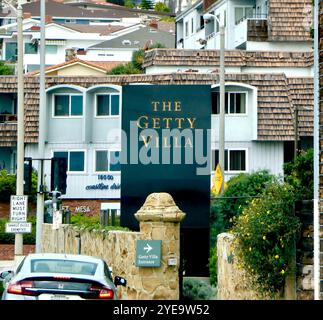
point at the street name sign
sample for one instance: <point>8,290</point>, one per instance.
<point>148,253</point>
<point>18,208</point>
<point>18,227</point>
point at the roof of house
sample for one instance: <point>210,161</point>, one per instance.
<point>56,9</point>
<point>239,58</point>
<point>277,95</point>
<point>289,20</point>
<point>103,66</point>
<point>138,39</point>
<point>73,10</point>
<point>101,29</point>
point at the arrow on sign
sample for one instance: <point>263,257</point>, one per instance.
<point>148,248</point>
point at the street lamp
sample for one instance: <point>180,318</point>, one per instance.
<point>209,16</point>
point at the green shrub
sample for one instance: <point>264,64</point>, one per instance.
<point>127,68</point>
<point>213,267</point>
<point>235,198</point>
<point>161,7</point>
<point>196,289</point>
<point>266,233</point>
<point>299,174</point>
<point>6,70</point>
<point>93,222</point>
<point>1,288</point>
<point>8,186</point>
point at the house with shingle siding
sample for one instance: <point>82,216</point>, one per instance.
<point>282,25</point>
<point>260,126</point>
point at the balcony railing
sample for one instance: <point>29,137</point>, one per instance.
<point>8,118</point>
<point>259,16</point>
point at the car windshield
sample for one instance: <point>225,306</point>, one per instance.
<point>63,266</point>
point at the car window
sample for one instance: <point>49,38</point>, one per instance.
<point>107,272</point>
<point>63,266</point>
<point>20,265</point>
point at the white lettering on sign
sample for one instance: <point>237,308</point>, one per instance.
<point>18,208</point>
<point>18,227</point>
<point>83,209</point>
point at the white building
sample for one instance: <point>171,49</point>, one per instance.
<point>61,40</point>
<point>249,24</point>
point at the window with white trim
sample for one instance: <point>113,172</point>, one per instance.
<point>234,159</point>
<point>107,105</point>
<point>67,105</point>
<point>235,102</point>
<point>107,160</point>
<point>241,13</point>
<point>75,159</point>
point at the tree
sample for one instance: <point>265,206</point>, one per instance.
<point>5,70</point>
<point>161,7</point>
<point>146,4</point>
<point>299,174</point>
<point>8,186</point>
<point>135,66</point>
<point>129,4</point>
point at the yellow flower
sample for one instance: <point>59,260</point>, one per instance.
<point>250,249</point>
<point>276,256</point>
<point>282,272</point>
<point>264,237</point>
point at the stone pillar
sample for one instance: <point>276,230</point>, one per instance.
<point>160,219</point>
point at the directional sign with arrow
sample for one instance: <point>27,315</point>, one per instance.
<point>148,253</point>
<point>148,248</point>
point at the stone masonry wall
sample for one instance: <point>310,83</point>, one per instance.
<point>159,219</point>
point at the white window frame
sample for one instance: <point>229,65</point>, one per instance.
<point>186,29</point>
<point>109,171</point>
<point>192,25</point>
<point>229,151</point>
<point>110,105</point>
<point>69,116</point>
<point>235,114</point>
<point>68,159</point>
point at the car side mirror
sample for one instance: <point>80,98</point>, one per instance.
<point>5,274</point>
<point>119,281</point>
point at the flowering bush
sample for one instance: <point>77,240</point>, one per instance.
<point>265,232</point>
<point>235,198</point>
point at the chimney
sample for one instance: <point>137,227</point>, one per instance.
<point>153,24</point>
<point>48,19</point>
<point>27,15</point>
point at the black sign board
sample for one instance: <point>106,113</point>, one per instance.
<point>166,148</point>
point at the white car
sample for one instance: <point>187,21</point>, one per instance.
<point>54,276</point>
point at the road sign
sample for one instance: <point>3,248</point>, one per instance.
<point>18,227</point>
<point>148,253</point>
<point>18,208</point>
<point>57,219</point>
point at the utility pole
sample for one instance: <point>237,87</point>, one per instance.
<point>296,138</point>
<point>41,132</point>
<point>222,107</point>
<point>209,16</point>
<point>20,122</point>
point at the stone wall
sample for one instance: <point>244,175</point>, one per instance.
<point>159,219</point>
<point>232,281</point>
